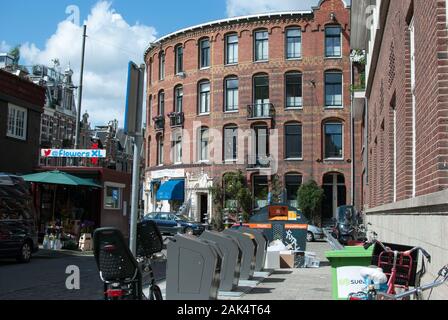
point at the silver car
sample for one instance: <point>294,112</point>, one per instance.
<point>314,233</point>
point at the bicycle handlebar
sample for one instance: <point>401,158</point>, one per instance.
<point>367,245</point>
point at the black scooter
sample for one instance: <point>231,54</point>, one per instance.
<point>346,226</point>
<point>121,272</point>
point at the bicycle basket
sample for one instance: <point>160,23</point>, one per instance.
<point>149,239</point>
<point>406,269</point>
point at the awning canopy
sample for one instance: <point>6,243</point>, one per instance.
<point>173,190</point>
<point>59,178</point>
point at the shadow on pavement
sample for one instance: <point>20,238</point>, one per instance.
<point>274,280</point>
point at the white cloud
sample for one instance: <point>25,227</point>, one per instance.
<point>111,44</point>
<point>4,47</point>
<point>246,7</point>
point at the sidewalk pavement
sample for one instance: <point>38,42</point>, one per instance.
<point>43,253</point>
<point>298,284</point>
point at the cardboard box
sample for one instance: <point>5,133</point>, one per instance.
<point>287,261</point>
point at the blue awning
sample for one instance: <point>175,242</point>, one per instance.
<point>173,190</point>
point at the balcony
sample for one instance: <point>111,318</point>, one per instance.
<point>159,123</point>
<point>258,162</point>
<point>260,111</point>
<point>177,119</point>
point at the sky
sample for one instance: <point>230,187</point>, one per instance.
<point>118,31</point>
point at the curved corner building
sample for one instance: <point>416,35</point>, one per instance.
<point>265,94</point>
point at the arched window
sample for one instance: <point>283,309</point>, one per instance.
<point>293,182</point>
<point>176,147</point>
<point>293,43</point>
<point>261,45</point>
<point>261,96</point>
<point>333,41</point>
<point>231,96</point>
<point>179,56</point>
<point>204,53</point>
<point>230,143</point>
<point>203,144</point>
<point>294,90</point>
<point>333,89</point>
<point>293,141</point>
<point>178,98</point>
<point>160,150</point>
<point>231,54</point>
<point>204,97</point>
<point>333,140</point>
<point>161,105</point>
<point>162,65</point>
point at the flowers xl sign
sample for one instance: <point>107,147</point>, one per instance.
<point>63,153</point>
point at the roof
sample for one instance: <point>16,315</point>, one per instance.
<point>227,21</point>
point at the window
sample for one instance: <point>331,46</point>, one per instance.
<point>260,190</point>
<point>231,94</point>
<point>231,143</point>
<point>160,150</point>
<point>177,148</point>
<point>293,137</point>
<point>232,49</point>
<point>261,96</point>
<point>162,66</point>
<point>294,90</point>
<point>112,198</point>
<point>261,45</point>
<point>204,97</point>
<point>17,122</point>
<point>179,97</point>
<point>260,147</point>
<point>333,140</point>
<point>203,145</point>
<point>333,89</point>
<point>205,53</point>
<point>333,41</point>
<point>179,59</point>
<point>293,183</point>
<point>161,106</point>
<point>293,43</point>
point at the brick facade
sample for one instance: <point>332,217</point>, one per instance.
<point>312,65</point>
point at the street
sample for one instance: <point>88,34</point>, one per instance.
<point>44,278</point>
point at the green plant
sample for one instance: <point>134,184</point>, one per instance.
<point>277,189</point>
<point>310,197</point>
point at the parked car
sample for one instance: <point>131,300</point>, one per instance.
<point>314,233</point>
<point>171,223</point>
<point>18,233</point>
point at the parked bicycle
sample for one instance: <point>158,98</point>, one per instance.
<point>121,272</point>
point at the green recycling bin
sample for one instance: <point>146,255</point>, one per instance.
<point>346,266</point>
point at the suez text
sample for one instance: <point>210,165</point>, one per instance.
<point>230,310</point>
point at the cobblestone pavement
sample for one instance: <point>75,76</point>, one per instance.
<point>44,277</point>
<point>297,284</point>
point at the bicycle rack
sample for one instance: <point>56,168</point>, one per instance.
<point>231,261</point>
<point>248,247</point>
<point>262,248</point>
<point>193,269</point>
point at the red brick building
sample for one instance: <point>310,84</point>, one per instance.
<point>266,94</point>
<point>404,114</point>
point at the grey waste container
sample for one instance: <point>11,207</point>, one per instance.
<point>193,269</point>
<point>248,247</point>
<point>262,249</point>
<point>231,260</point>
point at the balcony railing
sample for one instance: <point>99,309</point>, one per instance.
<point>177,119</point>
<point>159,123</point>
<point>258,162</point>
<point>260,111</point>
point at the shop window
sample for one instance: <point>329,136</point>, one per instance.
<point>113,197</point>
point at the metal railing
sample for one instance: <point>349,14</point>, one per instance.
<point>177,119</point>
<point>259,162</point>
<point>159,123</point>
<point>260,111</point>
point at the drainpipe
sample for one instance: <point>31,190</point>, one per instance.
<point>352,134</point>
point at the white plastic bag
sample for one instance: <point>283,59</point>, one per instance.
<point>277,245</point>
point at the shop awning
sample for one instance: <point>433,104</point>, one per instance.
<point>173,190</point>
<point>59,178</point>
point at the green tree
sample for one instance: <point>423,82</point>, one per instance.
<point>310,197</point>
<point>277,189</point>
<point>218,209</point>
<point>15,53</point>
